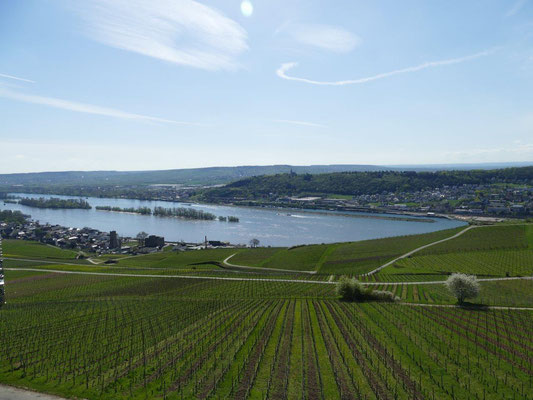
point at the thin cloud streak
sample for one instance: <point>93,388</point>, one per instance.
<point>302,123</point>
<point>16,78</point>
<point>515,8</point>
<point>284,68</point>
<point>85,108</point>
<point>183,32</point>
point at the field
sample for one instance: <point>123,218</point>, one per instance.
<point>216,332</point>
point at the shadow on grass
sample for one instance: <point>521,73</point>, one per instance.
<point>473,306</point>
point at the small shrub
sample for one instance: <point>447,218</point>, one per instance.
<point>344,288</point>
<point>463,286</point>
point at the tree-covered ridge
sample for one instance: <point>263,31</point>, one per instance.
<point>55,203</point>
<point>358,183</point>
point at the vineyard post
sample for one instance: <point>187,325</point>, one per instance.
<point>2,286</point>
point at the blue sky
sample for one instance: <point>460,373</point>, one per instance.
<point>160,84</point>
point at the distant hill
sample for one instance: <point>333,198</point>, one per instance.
<point>211,175</point>
<point>358,183</point>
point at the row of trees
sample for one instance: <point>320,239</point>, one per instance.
<point>139,210</point>
<point>182,212</point>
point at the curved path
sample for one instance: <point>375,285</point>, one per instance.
<point>418,249</point>
<point>225,262</point>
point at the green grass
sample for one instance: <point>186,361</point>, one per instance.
<point>254,257</point>
<point>301,258</point>
<point>29,249</point>
<point>497,237</point>
<point>298,258</point>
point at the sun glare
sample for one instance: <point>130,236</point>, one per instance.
<point>247,8</point>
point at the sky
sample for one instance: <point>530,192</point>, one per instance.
<point>164,84</point>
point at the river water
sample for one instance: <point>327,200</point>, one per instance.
<point>273,227</point>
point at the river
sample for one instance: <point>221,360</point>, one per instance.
<point>273,227</point>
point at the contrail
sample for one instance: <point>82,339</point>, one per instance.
<point>16,78</point>
<point>282,71</point>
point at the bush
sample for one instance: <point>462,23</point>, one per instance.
<point>344,288</point>
<point>463,286</point>
<point>350,289</point>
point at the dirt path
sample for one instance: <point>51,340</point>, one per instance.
<point>513,278</point>
<point>220,278</point>
<point>418,249</point>
<point>225,262</point>
<point>466,308</point>
<point>224,278</point>
<point>13,393</point>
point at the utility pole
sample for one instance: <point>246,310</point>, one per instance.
<point>2,286</point>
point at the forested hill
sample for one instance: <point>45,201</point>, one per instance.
<point>192,176</point>
<point>357,183</point>
<point>206,176</point>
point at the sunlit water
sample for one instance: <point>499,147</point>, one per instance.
<point>273,227</point>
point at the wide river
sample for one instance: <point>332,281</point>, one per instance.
<point>273,227</point>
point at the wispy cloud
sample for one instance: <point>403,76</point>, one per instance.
<point>85,108</point>
<point>284,68</point>
<point>183,32</point>
<point>517,6</point>
<point>16,78</point>
<point>325,37</point>
<point>302,123</point>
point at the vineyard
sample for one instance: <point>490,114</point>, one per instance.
<point>180,325</point>
<point>124,337</point>
<point>492,251</point>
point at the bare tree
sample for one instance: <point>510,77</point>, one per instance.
<point>254,242</point>
<point>141,236</point>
